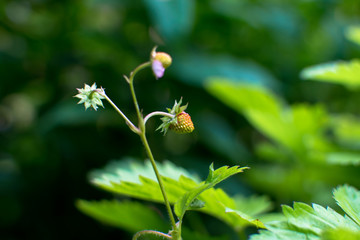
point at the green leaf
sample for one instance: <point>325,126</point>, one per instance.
<point>353,34</point>
<point>262,108</point>
<point>186,234</point>
<point>316,222</point>
<point>341,72</point>
<point>348,198</point>
<point>343,158</point>
<point>347,130</point>
<point>137,180</point>
<point>214,177</point>
<point>340,234</point>
<point>238,212</point>
<point>196,68</point>
<point>315,219</point>
<point>131,216</point>
<point>134,179</point>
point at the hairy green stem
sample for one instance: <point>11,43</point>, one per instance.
<point>142,135</point>
<point>148,232</point>
<point>157,113</point>
<point>128,122</point>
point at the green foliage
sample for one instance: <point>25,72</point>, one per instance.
<point>134,217</point>
<point>137,180</point>
<point>128,215</point>
<point>348,198</point>
<point>353,34</point>
<point>316,222</point>
<point>131,178</point>
<point>296,128</point>
<point>48,48</point>
<point>299,147</point>
<point>214,177</point>
<point>341,72</point>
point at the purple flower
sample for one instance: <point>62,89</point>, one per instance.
<point>158,69</point>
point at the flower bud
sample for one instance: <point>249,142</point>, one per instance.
<point>164,58</point>
<point>159,61</point>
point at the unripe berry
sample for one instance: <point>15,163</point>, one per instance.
<point>183,124</point>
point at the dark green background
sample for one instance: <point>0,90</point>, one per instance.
<point>48,144</point>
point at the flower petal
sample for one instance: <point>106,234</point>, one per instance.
<point>158,69</point>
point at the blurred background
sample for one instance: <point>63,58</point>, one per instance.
<point>48,143</point>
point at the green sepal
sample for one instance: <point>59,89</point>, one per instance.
<point>175,111</point>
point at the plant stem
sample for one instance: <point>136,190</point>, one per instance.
<point>142,135</point>
<point>148,232</point>
<point>158,176</point>
<point>128,122</point>
<point>157,113</point>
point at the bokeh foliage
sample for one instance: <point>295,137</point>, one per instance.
<point>49,144</point>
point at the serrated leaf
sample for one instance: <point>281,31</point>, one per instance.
<point>316,222</point>
<point>131,216</point>
<point>137,180</point>
<point>246,217</point>
<point>353,34</point>
<point>131,178</point>
<point>313,220</point>
<point>215,177</point>
<point>348,198</point>
<point>346,73</point>
<point>253,205</point>
<point>237,214</point>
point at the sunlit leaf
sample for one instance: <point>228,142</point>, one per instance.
<point>353,34</point>
<point>238,212</point>
<point>315,219</point>
<point>137,180</point>
<point>261,107</point>
<point>132,178</point>
<point>348,198</point>
<point>340,234</point>
<point>347,130</point>
<point>341,72</point>
<point>316,222</point>
<point>214,177</point>
<point>343,158</point>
